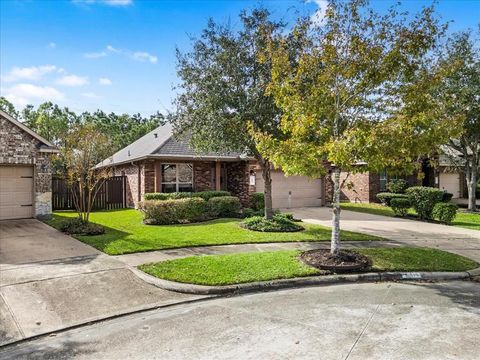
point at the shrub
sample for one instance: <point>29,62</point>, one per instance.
<point>386,197</point>
<point>249,212</point>
<point>400,206</point>
<point>446,197</point>
<point>445,212</point>
<point>163,212</point>
<point>257,201</point>
<point>423,199</point>
<point>79,227</point>
<point>277,224</point>
<point>397,186</point>
<point>205,195</point>
<point>224,206</point>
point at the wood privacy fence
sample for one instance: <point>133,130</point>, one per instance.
<point>111,194</point>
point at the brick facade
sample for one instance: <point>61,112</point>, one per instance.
<point>18,147</point>
<point>141,178</point>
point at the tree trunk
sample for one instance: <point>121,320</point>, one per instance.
<point>267,192</point>
<point>471,176</point>
<point>335,241</point>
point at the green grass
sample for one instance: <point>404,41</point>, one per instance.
<point>125,233</point>
<point>463,219</point>
<point>263,266</point>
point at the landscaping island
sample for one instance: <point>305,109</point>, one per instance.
<point>216,270</point>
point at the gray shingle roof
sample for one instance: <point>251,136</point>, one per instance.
<point>159,143</point>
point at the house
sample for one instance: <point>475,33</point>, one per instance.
<point>157,162</point>
<point>25,171</point>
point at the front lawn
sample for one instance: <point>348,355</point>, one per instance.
<point>463,219</point>
<point>263,266</point>
<point>125,233</point>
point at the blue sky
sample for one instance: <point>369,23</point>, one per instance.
<point>119,55</point>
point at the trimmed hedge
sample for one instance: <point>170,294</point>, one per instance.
<point>224,206</point>
<point>164,212</point>
<point>397,186</point>
<point>257,201</point>
<point>400,206</point>
<point>205,195</point>
<point>277,224</point>
<point>249,212</point>
<point>386,197</point>
<point>423,200</point>
<point>444,212</point>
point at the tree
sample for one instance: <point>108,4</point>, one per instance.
<point>460,94</point>
<point>8,107</point>
<point>50,121</point>
<point>84,147</point>
<point>222,91</point>
<point>355,91</point>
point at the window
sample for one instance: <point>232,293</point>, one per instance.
<point>383,181</point>
<point>177,178</point>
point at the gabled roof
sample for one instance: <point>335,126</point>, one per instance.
<point>47,145</point>
<point>160,143</point>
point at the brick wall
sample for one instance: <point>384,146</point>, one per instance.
<point>20,148</point>
<point>131,174</point>
<point>203,175</point>
<point>238,180</point>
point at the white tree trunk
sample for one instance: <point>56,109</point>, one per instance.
<point>335,242</point>
<point>471,175</point>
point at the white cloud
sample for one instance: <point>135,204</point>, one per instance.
<point>319,16</point>
<point>29,73</point>
<point>52,45</point>
<point>112,49</point>
<point>24,94</point>
<point>72,80</point>
<point>104,2</point>
<point>144,56</point>
<point>104,81</point>
<point>90,95</point>
<point>95,55</point>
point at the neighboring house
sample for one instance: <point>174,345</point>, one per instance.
<point>157,162</point>
<point>25,171</point>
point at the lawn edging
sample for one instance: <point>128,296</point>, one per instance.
<point>304,281</point>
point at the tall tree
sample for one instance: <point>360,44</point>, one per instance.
<point>460,94</point>
<point>8,107</point>
<point>222,90</point>
<point>355,91</point>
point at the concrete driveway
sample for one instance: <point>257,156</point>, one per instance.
<point>354,321</point>
<point>458,240</point>
<point>50,281</point>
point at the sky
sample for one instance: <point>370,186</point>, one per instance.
<point>119,55</point>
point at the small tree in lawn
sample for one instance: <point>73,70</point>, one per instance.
<point>356,90</point>
<point>222,90</point>
<point>84,147</point>
<point>460,96</point>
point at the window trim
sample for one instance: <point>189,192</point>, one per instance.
<point>176,182</point>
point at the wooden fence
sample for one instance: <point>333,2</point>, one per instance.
<point>111,195</point>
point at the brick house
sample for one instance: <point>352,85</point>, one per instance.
<point>25,171</point>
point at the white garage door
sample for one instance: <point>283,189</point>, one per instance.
<point>292,191</point>
<point>16,192</point>
<point>450,183</point>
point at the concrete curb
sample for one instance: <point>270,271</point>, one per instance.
<point>305,281</point>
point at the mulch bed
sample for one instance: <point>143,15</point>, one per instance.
<point>344,261</point>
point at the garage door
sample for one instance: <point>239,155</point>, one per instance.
<point>16,192</point>
<point>451,183</point>
<point>292,191</point>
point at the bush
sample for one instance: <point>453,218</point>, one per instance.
<point>79,227</point>
<point>397,186</point>
<point>400,206</point>
<point>445,212</point>
<point>257,201</point>
<point>164,212</point>
<point>446,197</point>
<point>224,206</point>
<point>205,195</point>
<point>423,199</point>
<point>249,212</point>
<point>386,197</point>
<point>277,224</point>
